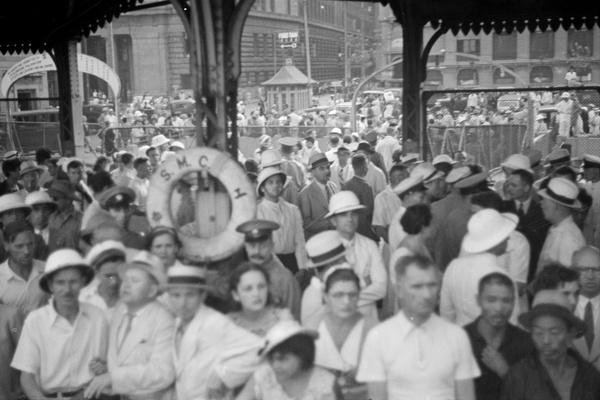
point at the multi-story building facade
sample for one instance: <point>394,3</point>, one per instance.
<point>538,58</point>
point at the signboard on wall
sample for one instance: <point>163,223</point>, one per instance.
<point>43,62</point>
<point>288,39</point>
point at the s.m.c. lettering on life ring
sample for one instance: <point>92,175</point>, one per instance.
<point>225,169</point>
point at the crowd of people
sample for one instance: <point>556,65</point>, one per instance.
<point>365,275</point>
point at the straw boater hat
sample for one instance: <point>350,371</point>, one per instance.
<point>61,259</point>
<point>13,201</point>
<point>318,159</point>
<point>324,248</point>
<point>516,162</point>
<point>486,229</point>
<point>104,251</point>
<point>186,276</point>
<point>562,191</point>
<point>39,198</point>
<point>558,157</point>
<point>281,332</point>
<point>159,140</point>
<point>265,174</point>
<point>29,166</point>
<point>342,202</point>
<point>553,303</point>
<point>427,171</point>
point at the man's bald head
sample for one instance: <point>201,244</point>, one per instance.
<point>587,261</point>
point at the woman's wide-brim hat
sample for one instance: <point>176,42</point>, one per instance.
<point>342,202</point>
<point>562,191</point>
<point>553,303</point>
<point>281,332</point>
<point>62,259</point>
<point>486,229</point>
<point>265,174</point>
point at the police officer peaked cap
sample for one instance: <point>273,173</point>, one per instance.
<point>257,230</point>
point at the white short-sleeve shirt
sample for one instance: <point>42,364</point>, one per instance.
<point>417,362</point>
<point>59,353</point>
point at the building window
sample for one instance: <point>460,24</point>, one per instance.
<point>468,46</point>
<point>541,74</point>
<point>186,81</point>
<point>541,45</point>
<point>502,78</point>
<point>504,46</point>
<point>435,77</point>
<point>467,77</point>
<point>580,43</point>
<point>397,72</point>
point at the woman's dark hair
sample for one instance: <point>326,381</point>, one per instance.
<point>241,269</point>
<point>341,275</point>
<point>163,230</point>
<point>416,218</point>
<point>301,346</point>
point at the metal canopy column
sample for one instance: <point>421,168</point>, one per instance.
<point>64,54</point>
<point>214,28</point>
<point>412,41</point>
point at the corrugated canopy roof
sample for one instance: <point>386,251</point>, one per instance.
<point>32,25</point>
<point>288,76</point>
<point>501,15</point>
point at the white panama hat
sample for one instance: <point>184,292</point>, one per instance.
<point>486,229</point>
<point>562,191</point>
<point>516,162</point>
<point>159,140</point>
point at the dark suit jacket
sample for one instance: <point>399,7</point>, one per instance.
<point>313,206</point>
<point>534,227</point>
<point>11,324</point>
<point>364,192</point>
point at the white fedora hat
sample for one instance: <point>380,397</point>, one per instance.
<point>28,166</point>
<point>265,174</point>
<point>148,262</point>
<point>13,201</point>
<point>159,140</point>
<point>282,331</point>
<point>187,276</point>
<point>61,259</point>
<point>486,229</point>
<point>104,251</point>
<point>412,183</point>
<point>562,191</point>
<point>324,248</point>
<point>39,197</point>
<point>270,158</point>
<point>457,174</point>
<point>518,161</point>
<point>342,202</point>
<point>178,144</point>
<point>427,171</point>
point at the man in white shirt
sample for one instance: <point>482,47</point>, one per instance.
<point>461,279</point>
<point>126,171</point>
<point>341,171</point>
<point>387,203</point>
<point>559,200</point>
<point>375,176</point>
<point>388,145</point>
<point>362,253</point>
<point>62,343</point>
<point>587,262</point>
<point>417,354</point>
<point>20,273</point>
<point>140,364</point>
<point>140,184</point>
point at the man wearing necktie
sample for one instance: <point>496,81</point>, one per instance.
<point>140,364</point>
<point>587,262</point>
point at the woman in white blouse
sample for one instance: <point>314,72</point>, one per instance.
<point>343,331</point>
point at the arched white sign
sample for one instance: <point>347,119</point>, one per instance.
<point>43,62</point>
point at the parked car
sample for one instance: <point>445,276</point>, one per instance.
<point>93,111</point>
<point>187,106</point>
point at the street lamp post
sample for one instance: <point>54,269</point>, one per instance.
<point>307,48</point>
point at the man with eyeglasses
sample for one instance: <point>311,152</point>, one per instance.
<point>587,262</point>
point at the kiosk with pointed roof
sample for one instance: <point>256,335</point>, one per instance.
<point>289,86</point>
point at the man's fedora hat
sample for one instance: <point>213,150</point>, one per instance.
<point>553,303</point>
<point>342,202</point>
<point>486,229</point>
<point>29,166</point>
<point>324,248</point>
<point>318,159</point>
<point>517,162</point>
<point>62,189</point>
<point>61,259</point>
<point>562,191</point>
<point>364,146</point>
<point>159,140</point>
<point>13,201</point>
<point>558,157</point>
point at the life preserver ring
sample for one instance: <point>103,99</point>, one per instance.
<point>225,169</point>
